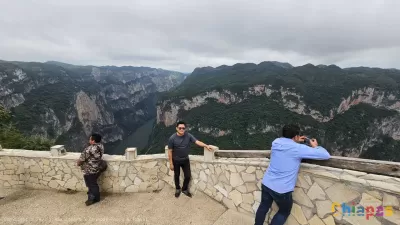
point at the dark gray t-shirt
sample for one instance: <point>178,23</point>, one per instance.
<point>180,145</point>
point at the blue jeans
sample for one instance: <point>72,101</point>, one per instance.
<point>284,202</point>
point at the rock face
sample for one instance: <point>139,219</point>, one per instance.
<point>67,103</point>
<point>352,112</point>
<point>290,99</point>
<point>89,112</point>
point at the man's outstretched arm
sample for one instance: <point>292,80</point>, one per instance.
<point>314,152</point>
<point>201,144</point>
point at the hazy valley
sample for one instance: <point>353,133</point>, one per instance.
<point>353,111</point>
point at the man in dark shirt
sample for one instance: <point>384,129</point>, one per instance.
<point>178,155</point>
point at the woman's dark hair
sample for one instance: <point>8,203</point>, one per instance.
<point>96,137</point>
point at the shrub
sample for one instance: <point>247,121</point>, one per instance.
<point>12,138</point>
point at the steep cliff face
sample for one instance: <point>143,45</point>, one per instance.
<point>351,111</point>
<point>91,112</point>
<point>167,111</point>
<point>67,103</point>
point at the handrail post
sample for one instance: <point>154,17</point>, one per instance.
<point>166,151</point>
<point>131,153</point>
<point>57,150</point>
<point>209,156</point>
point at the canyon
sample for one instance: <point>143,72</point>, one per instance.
<point>67,103</point>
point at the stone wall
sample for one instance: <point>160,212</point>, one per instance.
<point>235,182</point>
<point>39,170</point>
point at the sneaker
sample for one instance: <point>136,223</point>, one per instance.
<point>177,192</point>
<point>187,193</point>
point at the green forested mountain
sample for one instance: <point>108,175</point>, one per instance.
<point>352,111</point>
<point>66,103</point>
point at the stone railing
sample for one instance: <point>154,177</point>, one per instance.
<point>323,195</point>
<point>364,165</point>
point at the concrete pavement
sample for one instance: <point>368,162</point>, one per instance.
<point>55,207</point>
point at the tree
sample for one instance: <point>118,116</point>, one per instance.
<point>10,137</point>
<point>4,115</point>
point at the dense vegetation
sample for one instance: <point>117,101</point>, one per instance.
<point>10,137</point>
<point>322,88</point>
<point>41,97</point>
<point>345,132</point>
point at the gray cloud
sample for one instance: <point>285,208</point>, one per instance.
<point>182,34</point>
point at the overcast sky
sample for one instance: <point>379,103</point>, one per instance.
<point>184,34</point>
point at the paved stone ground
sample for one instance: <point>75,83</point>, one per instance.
<point>52,207</point>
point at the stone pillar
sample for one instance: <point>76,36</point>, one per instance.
<point>57,150</point>
<point>166,151</point>
<point>131,153</point>
<point>209,155</point>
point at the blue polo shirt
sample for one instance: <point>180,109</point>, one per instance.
<point>286,156</point>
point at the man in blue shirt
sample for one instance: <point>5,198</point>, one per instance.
<point>281,176</point>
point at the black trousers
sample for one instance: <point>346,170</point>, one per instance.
<point>185,165</point>
<point>93,186</point>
